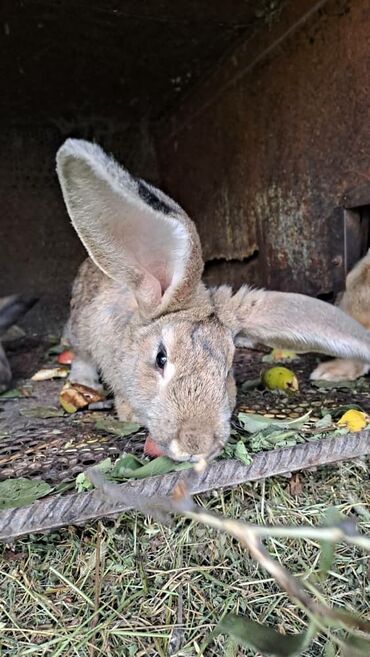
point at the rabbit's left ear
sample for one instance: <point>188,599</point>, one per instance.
<point>134,233</point>
<point>292,321</point>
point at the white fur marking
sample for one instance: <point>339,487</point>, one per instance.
<point>168,337</point>
<point>167,375</point>
<point>176,452</point>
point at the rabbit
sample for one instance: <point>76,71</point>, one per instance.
<point>355,301</point>
<point>11,309</point>
<point>142,318</point>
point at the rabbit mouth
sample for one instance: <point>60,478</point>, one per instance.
<point>175,452</point>
<point>154,448</point>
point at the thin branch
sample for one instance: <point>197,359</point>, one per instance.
<point>249,536</point>
<point>346,532</point>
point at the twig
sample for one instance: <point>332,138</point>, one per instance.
<point>97,583</point>
<point>346,532</point>
<point>250,536</point>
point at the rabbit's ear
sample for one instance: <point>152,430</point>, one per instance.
<point>133,232</point>
<point>292,321</point>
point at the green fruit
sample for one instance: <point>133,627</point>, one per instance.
<point>280,378</point>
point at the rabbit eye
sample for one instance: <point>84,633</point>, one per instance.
<point>161,358</point>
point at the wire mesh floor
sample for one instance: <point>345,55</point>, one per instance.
<point>57,448</point>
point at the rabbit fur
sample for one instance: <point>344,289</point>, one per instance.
<point>142,318</point>
<point>11,309</point>
<point>355,301</point>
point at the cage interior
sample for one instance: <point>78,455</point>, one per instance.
<point>232,108</point>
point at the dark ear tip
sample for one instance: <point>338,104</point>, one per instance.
<point>26,301</point>
<point>14,308</point>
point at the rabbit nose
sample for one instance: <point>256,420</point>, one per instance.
<point>194,440</point>
<point>191,444</point>
<point>209,454</point>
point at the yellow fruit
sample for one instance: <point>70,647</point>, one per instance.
<point>354,420</point>
<point>280,378</point>
<point>280,355</point>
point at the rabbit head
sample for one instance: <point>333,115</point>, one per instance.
<point>163,342</point>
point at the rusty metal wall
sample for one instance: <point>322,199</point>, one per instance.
<point>101,70</point>
<point>261,155</point>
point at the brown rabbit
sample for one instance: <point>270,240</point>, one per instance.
<point>11,309</point>
<point>355,301</point>
<point>141,316</point>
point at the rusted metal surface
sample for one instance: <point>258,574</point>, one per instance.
<point>232,271</point>
<point>103,71</point>
<point>108,58</point>
<point>39,250</point>
<point>274,139</point>
<point>356,197</point>
<point>80,508</point>
<point>350,229</point>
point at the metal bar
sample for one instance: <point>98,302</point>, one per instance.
<point>80,508</point>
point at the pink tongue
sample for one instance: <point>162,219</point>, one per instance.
<point>151,448</point>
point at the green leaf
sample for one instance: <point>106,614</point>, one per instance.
<point>330,649</point>
<point>340,410</point>
<point>14,393</point>
<point>126,463</point>
<point>324,422</point>
<point>253,423</point>
<point>327,553</point>
<point>64,486</point>
<point>42,412</point>
<point>21,492</point>
<point>110,425</point>
<point>241,453</point>
<point>261,638</point>
<point>357,646</point>
<point>333,518</point>
<point>347,619</point>
<point>82,483</point>
<point>271,438</point>
<point>159,466</point>
<point>231,648</point>
<point>56,349</point>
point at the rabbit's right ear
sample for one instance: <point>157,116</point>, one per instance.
<point>291,321</point>
<point>132,231</point>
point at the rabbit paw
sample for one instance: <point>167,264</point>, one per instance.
<point>124,411</point>
<point>85,374</point>
<point>340,369</point>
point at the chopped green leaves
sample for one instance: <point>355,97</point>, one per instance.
<point>21,492</point>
